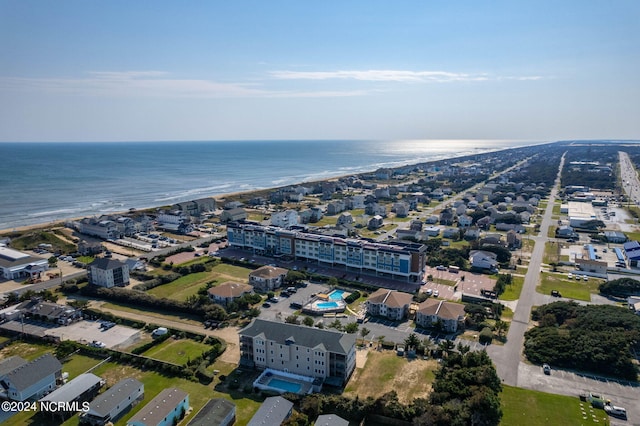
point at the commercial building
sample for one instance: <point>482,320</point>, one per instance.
<point>397,259</point>
<point>17,265</point>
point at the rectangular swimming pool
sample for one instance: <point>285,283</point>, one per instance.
<point>327,305</point>
<point>284,385</point>
<point>336,295</point>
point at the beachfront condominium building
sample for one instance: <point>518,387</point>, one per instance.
<point>106,272</point>
<point>396,259</point>
<point>325,354</point>
<point>390,304</point>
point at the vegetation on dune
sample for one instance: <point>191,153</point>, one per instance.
<point>622,287</point>
<point>595,338</point>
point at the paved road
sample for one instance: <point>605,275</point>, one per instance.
<point>507,358</point>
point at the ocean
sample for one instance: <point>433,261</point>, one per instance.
<point>45,182</point>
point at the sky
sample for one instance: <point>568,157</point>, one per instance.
<point>540,70</point>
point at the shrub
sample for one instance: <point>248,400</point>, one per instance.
<point>486,336</point>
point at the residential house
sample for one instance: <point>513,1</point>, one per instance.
<point>80,389</point>
<point>267,278</point>
<point>48,311</point>
<point>451,233</point>
<point>375,209</point>
<point>375,222</point>
<point>492,240</point>
<point>108,272</point>
<point>196,207</point>
<point>174,221</point>
<point>316,214</point>
<point>216,412</point>
<point>513,240</point>
<point>89,248</point>
<point>285,219</point>
<point>330,420</point>
<point>481,259</point>
<point>335,207</point>
<point>484,222</point>
<point>471,234</point>
<point>390,304</point>
<point>325,354</point>
<point>233,215</point>
<point>446,217</point>
<point>345,219</point>
<point>16,265</point>
<point>432,220</point>
<point>109,406</point>
<point>416,225</point>
<point>105,229</point>
<point>228,291</point>
<point>401,209</point>
<point>31,379</point>
<point>433,311</point>
<point>432,231</point>
<point>566,231</point>
<point>166,409</point>
<point>273,411</point>
<point>465,221</point>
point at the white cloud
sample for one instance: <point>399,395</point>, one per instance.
<point>154,84</point>
<point>401,76</point>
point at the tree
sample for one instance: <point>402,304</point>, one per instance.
<point>336,324</point>
<point>292,319</point>
<point>308,321</point>
<point>351,328</point>
<point>412,342</point>
<point>463,349</point>
<point>501,327</point>
<point>52,261</point>
<point>363,332</point>
<point>447,346</point>
<point>380,340</point>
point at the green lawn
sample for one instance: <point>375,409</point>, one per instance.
<point>532,408</point>
<point>572,289</point>
<point>246,405</point>
<point>28,351</point>
<point>79,364</point>
<point>551,232</point>
<point>551,253</point>
<point>633,236</point>
<point>183,287</point>
<point>178,317</point>
<point>189,285</point>
<point>512,292</point>
<point>177,351</point>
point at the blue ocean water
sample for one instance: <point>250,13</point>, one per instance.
<point>43,182</point>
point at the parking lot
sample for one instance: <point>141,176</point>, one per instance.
<point>563,382</point>
<point>82,331</point>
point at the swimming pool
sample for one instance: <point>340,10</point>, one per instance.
<point>327,305</point>
<point>285,385</point>
<point>336,295</point>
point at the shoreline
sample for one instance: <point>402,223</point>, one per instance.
<point>230,195</point>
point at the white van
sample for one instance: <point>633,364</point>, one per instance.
<point>616,411</point>
<point>160,331</point>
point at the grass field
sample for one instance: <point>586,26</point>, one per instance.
<point>512,292</point>
<point>177,351</point>
<point>246,405</point>
<point>571,289</point>
<point>28,351</point>
<point>551,252</point>
<point>385,371</point>
<point>189,285</point>
<point>532,408</point>
<point>178,317</point>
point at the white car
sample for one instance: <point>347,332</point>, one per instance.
<point>436,293</point>
<point>570,276</point>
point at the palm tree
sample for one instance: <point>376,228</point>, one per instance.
<point>380,341</point>
<point>363,332</point>
<point>463,349</point>
<point>447,346</point>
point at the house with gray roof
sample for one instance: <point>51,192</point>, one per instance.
<point>330,420</point>
<point>31,379</point>
<point>328,355</point>
<point>166,409</point>
<point>216,412</point>
<point>80,389</point>
<point>273,412</point>
<point>112,403</point>
<point>107,272</point>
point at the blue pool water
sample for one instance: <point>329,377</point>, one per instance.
<point>284,385</point>
<point>327,305</point>
<point>336,295</point>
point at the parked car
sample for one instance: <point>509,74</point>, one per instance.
<point>555,293</point>
<point>429,292</point>
<point>615,411</point>
<point>266,305</point>
<point>546,368</point>
<point>436,293</point>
